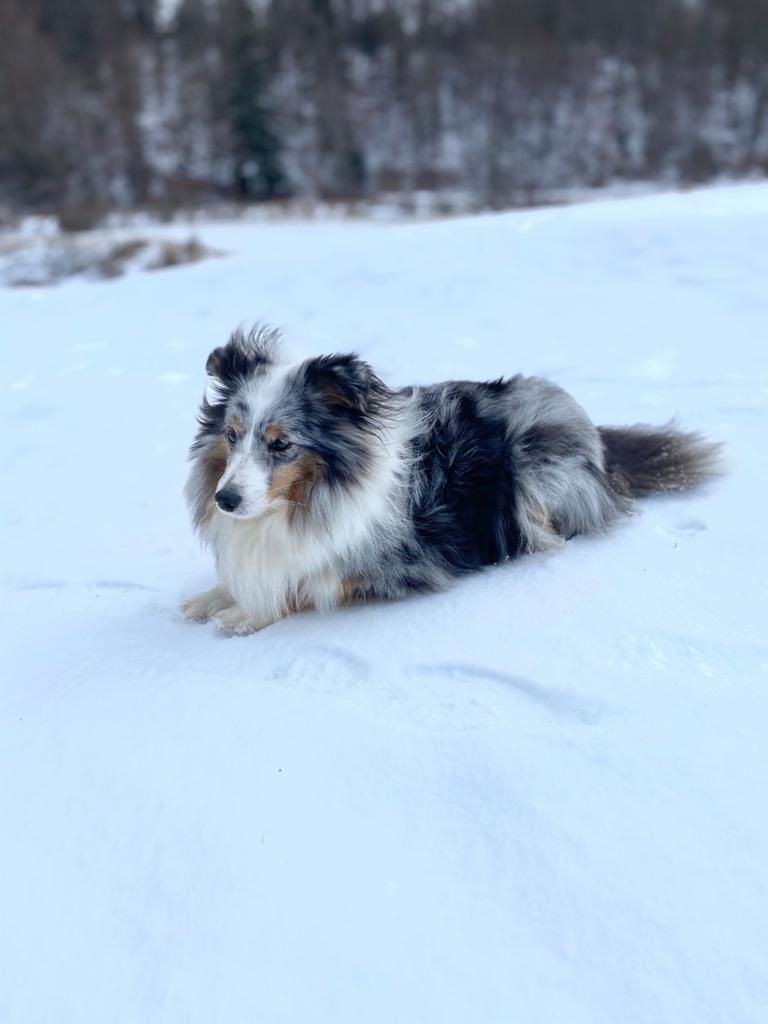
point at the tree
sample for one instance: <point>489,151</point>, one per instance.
<point>256,154</point>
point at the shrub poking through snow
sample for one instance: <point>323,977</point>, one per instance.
<point>174,254</point>
<point>38,262</point>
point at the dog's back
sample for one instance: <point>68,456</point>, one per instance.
<point>516,465</point>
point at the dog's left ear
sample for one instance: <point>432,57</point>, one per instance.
<point>346,382</point>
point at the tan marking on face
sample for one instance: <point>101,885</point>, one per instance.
<point>273,432</point>
<point>214,462</point>
<point>294,481</point>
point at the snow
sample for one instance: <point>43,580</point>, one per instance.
<point>539,797</point>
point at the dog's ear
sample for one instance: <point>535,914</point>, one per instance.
<point>345,382</point>
<point>215,362</point>
<point>243,354</point>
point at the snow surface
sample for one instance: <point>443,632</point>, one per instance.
<point>540,797</point>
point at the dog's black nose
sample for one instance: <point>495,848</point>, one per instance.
<point>228,499</point>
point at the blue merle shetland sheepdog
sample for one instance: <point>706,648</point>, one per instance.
<point>317,485</point>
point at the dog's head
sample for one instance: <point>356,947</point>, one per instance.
<point>275,433</point>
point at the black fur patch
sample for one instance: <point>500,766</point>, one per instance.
<point>348,385</point>
<point>465,512</point>
<point>242,356</point>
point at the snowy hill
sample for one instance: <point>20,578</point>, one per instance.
<point>540,797</point>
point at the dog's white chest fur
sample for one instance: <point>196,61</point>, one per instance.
<point>263,563</point>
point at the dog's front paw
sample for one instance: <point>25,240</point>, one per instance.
<point>234,620</point>
<point>203,607</point>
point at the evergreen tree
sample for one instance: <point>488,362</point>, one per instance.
<point>257,162</point>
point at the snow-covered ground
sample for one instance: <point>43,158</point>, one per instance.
<point>540,797</point>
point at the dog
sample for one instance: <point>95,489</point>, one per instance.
<point>317,485</point>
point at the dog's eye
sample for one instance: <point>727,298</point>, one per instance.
<point>280,445</point>
<point>231,436</point>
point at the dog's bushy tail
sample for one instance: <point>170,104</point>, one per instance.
<point>643,460</point>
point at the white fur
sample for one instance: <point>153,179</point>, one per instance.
<point>266,563</point>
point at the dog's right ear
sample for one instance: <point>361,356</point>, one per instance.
<point>215,362</point>
<point>243,354</point>
<point>228,362</point>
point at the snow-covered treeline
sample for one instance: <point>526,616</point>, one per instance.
<point>132,102</point>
